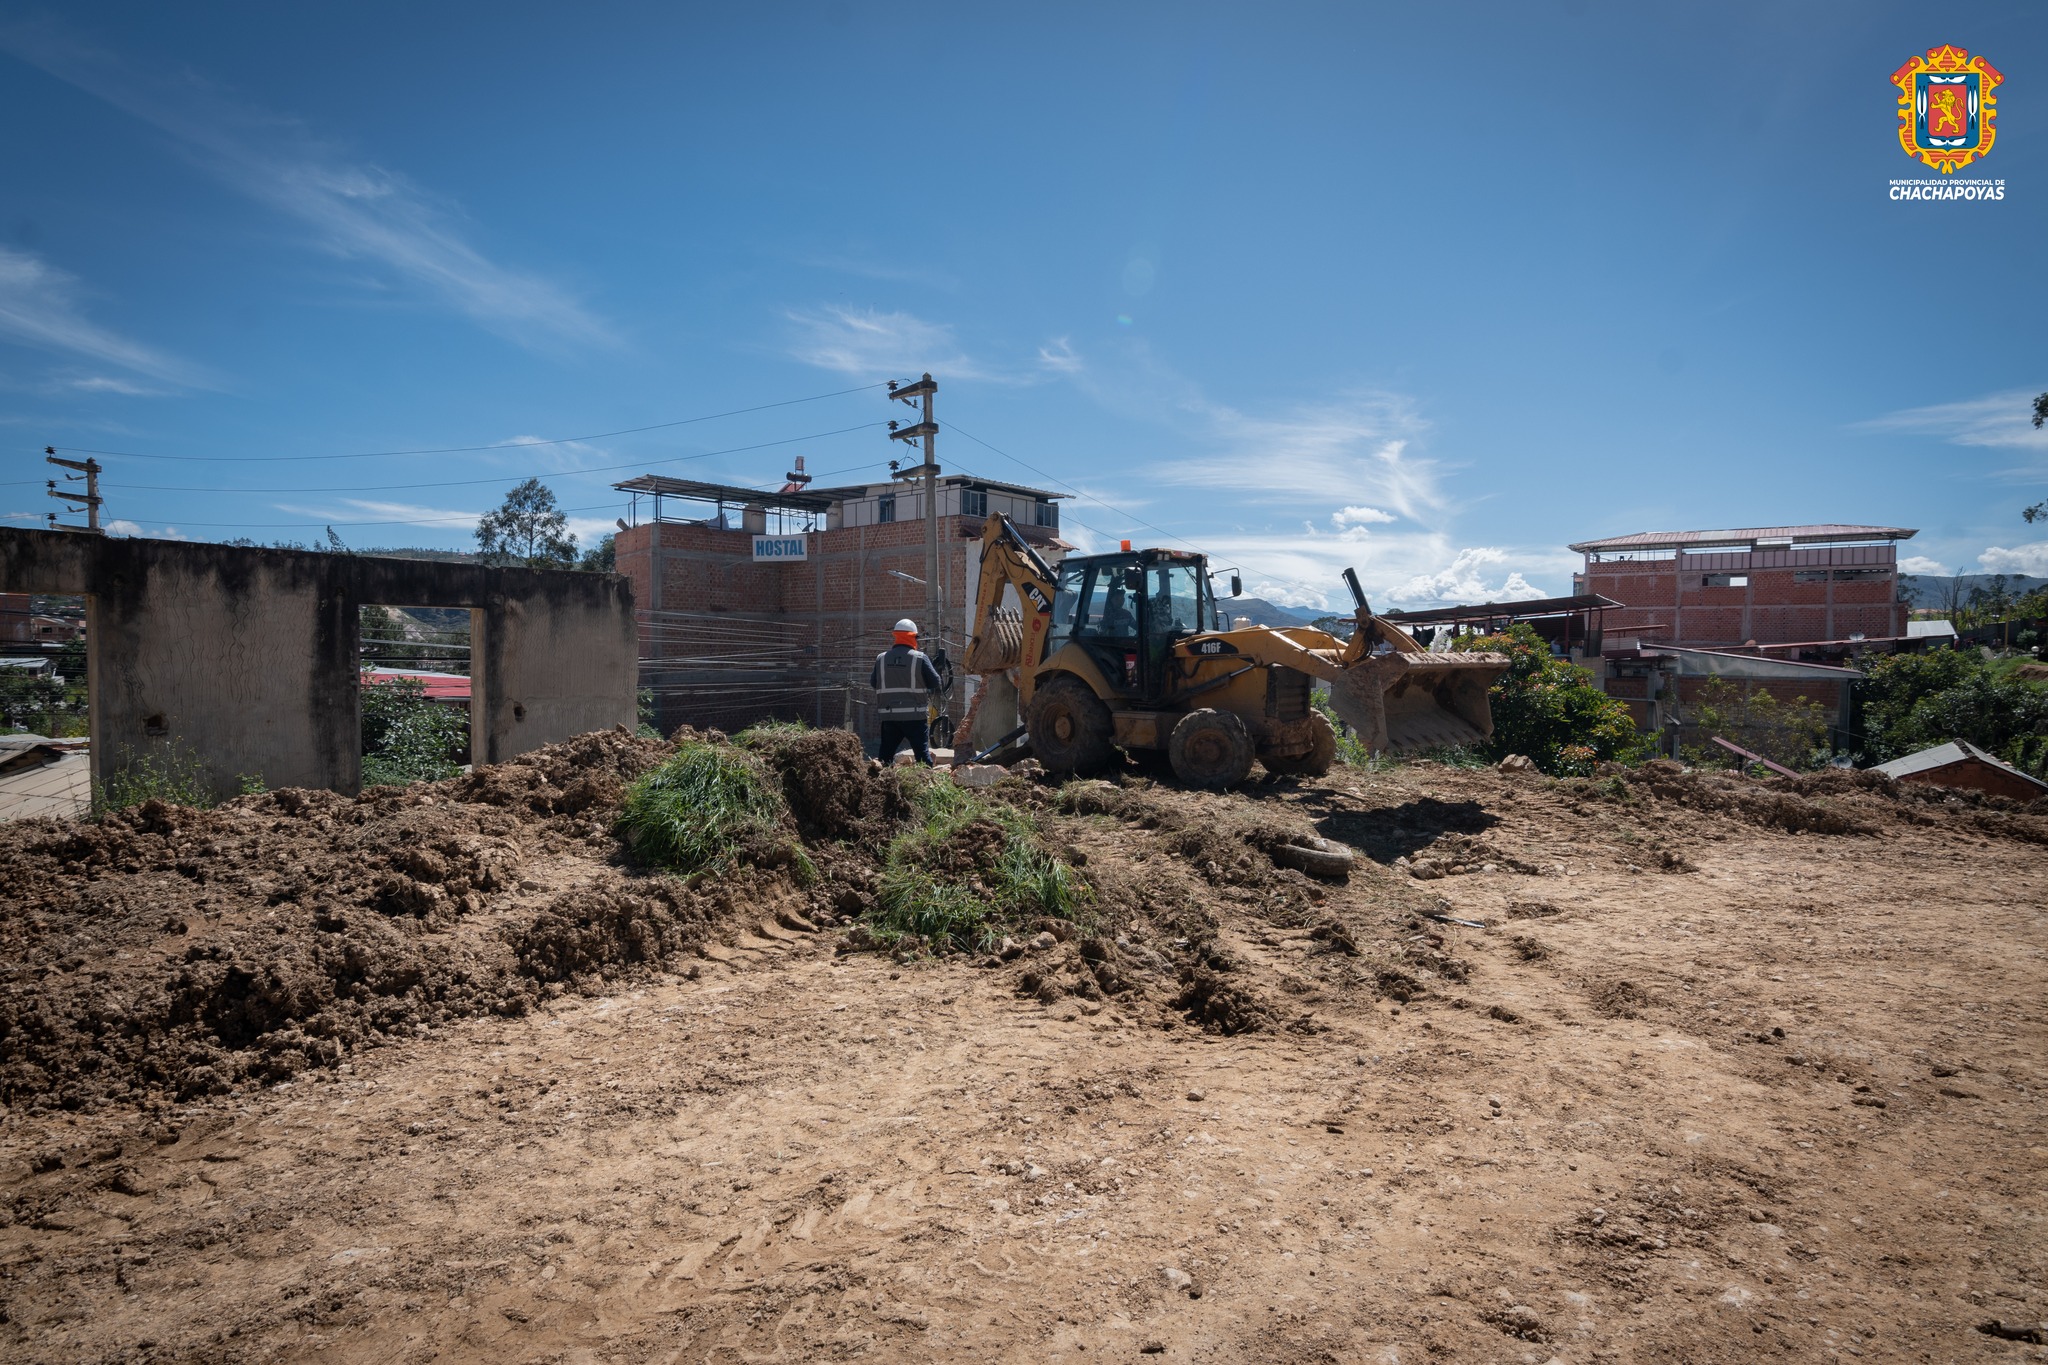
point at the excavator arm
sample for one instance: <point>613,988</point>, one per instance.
<point>1003,638</point>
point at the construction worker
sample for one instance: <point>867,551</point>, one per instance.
<point>903,681</point>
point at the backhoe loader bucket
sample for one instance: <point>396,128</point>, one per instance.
<point>1404,703</point>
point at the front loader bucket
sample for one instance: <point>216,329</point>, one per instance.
<point>1404,703</point>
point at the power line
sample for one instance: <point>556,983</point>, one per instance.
<point>408,521</point>
<point>460,450</point>
<point>497,478</point>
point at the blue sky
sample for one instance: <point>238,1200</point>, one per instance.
<point>1430,290</point>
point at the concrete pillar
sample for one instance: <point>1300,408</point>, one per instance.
<point>557,661</point>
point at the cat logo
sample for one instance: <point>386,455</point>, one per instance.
<point>1947,113</point>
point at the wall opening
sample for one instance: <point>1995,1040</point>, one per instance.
<point>420,699</point>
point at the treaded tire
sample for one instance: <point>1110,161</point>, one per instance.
<point>1317,857</point>
<point>1321,754</point>
<point>1211,749</point>
<point>1070,727</point>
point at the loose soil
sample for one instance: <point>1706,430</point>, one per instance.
<point>1737,1070</point>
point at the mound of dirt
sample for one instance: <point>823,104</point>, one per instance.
<point>828,782</point>
<point>166,952</point>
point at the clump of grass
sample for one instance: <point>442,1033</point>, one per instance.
<point>768,733</point>
<point>968,870</point>
<point>704,810</point>
<point>169,772</point>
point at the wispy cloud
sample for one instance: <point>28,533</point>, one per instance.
<point>1922,564</point>
<point>868,343</point>
<point>884,272</point>
<point>1997,420</point>
<point>39,307</point>
<point>1357,446</point>
<point>358,510</point>
<point>356,209</point>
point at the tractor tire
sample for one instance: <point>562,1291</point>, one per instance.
<point>1070,727</point>
<point>1321,858</point>
<point>1322,752</point>
<point>1211,749</point>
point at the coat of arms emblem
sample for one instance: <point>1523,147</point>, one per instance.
<point>1947,113</point>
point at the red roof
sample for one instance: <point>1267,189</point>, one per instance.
<point>440,686</point>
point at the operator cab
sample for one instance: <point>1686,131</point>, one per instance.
<point>1129,610</point>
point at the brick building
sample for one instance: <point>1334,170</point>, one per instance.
<point>732,631</point>
<point>1770,585</point>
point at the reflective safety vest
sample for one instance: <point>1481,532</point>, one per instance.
<point>900,678</point>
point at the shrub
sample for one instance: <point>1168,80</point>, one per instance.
<point>968,870</point>
<point>1914,701</point>
<point>407,737</point>
<point>705,809</point>
<point>1547,708</point>
<point>170,771</point>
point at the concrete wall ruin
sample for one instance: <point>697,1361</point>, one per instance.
<point>247,658</point>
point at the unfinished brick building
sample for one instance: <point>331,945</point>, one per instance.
<point>1772,585</point>
<point>761,605</point>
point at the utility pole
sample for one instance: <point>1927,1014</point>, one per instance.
<point>925,388</point>
<point>90,498</point>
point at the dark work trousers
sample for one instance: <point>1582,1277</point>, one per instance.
<point>915,733</point>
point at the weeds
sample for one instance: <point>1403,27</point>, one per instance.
<point>170,773</point>
<point>704,810</point>
<point>969,869</point>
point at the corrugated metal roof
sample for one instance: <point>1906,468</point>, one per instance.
<point>1930,630</point>
<point>1703,663</point>
<point>1947,755</point>
<point>439,686</point>
<point>1829,534</point>
<point>60,787</point>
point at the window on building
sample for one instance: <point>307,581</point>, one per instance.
<point>885,507</point>
<point>1725,580</point>
<point>1048,514</point>
<point>974,502</point>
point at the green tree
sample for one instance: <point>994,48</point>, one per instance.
<point>528,528</point>
<point>602,557</point>
<point>2040,509</point>
<point>1547,708</point>
<point>1792,734</point>
<point>407,737</point>
<point>1915,701</point>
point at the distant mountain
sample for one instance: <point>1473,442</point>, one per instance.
<point>1261,612</point>
<point>1931,590</point>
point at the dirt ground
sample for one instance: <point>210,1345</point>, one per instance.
<point>1733,1071</point>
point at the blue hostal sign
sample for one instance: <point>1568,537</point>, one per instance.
<point>773,548</point>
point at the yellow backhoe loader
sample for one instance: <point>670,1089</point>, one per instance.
<point>1132,651</point>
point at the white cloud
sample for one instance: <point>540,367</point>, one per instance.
<point>38,307</point>
<point>1060,357</point>
<point>872,344</point>
<point>1996,420</point>
<point>1360,516</point>
<point>356,209</point>
<point>1922,564</point>
<point>100,383</point>
<point>1355,446</point>
<point>2031,560</point>
<point>121,527</point>
<point>1464,581</point>
<point>1411,569</point>
<point>590,530</point>
<point>358,511</point>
